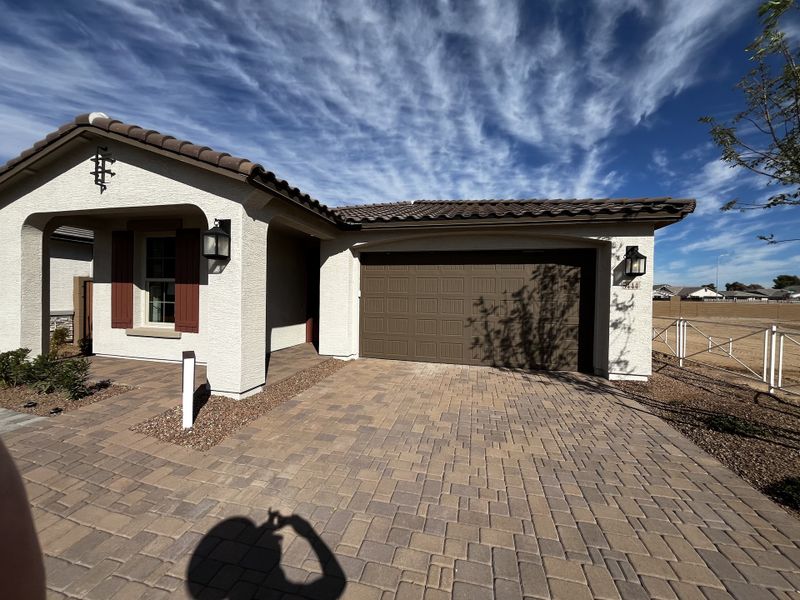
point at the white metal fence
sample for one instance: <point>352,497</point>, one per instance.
<point>769,355</point>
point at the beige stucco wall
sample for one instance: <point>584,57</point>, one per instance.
<point>67,261</point>
<point>145,185</point>
<point>622,347</point>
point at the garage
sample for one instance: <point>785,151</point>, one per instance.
<point>523,309</point>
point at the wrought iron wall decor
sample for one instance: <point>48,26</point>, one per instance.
<point>102,160</point>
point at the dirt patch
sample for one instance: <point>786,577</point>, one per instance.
<point>15,398</point>
<point>219,417</point>
<point>753,433</point>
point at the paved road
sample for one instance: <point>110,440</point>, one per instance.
<point>407,480</point>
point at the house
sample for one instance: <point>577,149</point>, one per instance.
<point>663,291</point>
<point>699,293</point>
<point>739,296</point>
<point>772,294</point>
<point>71,253</point>
<point>199,250</point>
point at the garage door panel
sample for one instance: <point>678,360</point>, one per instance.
<point>427,306</point>
<point>425,350</point>
<point>397,304</point>
<point>398,326</point>
<point>397,285</point>
<point>520,311</point>
<point>427,285</point>
<point>452,285</point>
<point>371,305</point>
<point>451,306</point>
<point>372,325</point>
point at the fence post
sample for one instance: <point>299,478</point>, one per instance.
<point>780,360</point>
<point>682,341</point>
<point>766,356</point>
<point>772,347</point>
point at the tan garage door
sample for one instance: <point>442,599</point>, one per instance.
<point>529,310</point>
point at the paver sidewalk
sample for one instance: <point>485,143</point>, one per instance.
<point>423,480</point>
<point>11,420</point>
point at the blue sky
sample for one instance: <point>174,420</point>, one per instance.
<point>359,101</point>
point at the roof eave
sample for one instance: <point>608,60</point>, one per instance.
<point>659,220</point>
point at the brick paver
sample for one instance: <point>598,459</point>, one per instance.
<point>423,480</point>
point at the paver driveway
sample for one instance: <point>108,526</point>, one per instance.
<point>423,480</point>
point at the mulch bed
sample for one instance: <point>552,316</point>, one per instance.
<point>219,417</point>
<point>753,433</point>
<point>14,398</point>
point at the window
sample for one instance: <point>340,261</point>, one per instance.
<point>160,279</point>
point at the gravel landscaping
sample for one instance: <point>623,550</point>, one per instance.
<point>218,417</point>
<point>15,398</point>
<point>755,434</point>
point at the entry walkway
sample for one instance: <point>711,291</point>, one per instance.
<point>403,480</point>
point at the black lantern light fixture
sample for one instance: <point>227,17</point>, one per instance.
<point>635,262</point>
<point>217,240</point>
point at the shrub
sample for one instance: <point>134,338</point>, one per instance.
<point>41,374</point>
<point>45,373</point>
<point>85,345</point>
<point>58,339</point>
<point>13,367</point>
<point>71,377</point>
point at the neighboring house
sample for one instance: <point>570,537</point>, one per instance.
<point>520,283</point>
<point>738,296</point>
<point>772,294</point>
<point>663,291</point>
<point>70,257</point>
<point>699,293</point>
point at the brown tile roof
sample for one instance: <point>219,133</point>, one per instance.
<point>664,208</point>
<point>150,137</point>
<point>436,210</point>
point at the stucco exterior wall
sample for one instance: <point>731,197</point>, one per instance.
<point>145,186</point>
<point>67,261</point>
<point>622,347</point>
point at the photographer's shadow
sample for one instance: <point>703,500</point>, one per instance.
<point>239,561</point>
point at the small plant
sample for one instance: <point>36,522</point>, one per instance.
<point>58,339</point>
<point>13,367</point>
<point>85,345</point>
<point>733,425</point>
<point>41,374</point>
<point>71,377</point>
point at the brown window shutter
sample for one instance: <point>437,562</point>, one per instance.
<point>122,279</point>
<point>187,280</point>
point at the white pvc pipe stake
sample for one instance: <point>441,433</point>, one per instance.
<point>187,378</point>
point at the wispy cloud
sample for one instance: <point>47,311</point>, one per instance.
<point>360,100</point>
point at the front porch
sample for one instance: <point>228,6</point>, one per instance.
<point>165,377</point>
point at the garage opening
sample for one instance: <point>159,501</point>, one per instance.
<point>521,309</point>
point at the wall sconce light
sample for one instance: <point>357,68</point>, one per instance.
<point>635,262</point>
<point>217,240</point>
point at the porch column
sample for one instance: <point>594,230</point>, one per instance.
<point>237,295</point>
<point>34,289</point>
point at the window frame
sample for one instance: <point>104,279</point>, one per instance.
<point>148,280</point>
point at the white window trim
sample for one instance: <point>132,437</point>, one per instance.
<point>147,280</point>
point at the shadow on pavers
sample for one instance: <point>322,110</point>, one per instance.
<point>239,561</point>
